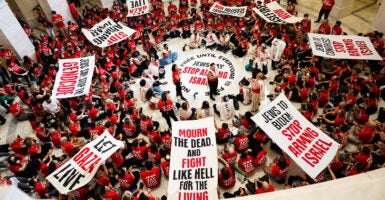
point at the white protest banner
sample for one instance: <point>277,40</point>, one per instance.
<point>343,47</point>
<point>82,167</point>
<point>194,163</point>
<point>274,13</point>
<point>107,33</point>
<point>74,77</point>
<point>308,146</point>
<point>226,10</point>
<point>137,7</point>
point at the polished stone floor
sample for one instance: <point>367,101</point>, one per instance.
<point>358,22</point>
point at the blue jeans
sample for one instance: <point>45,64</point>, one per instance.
<point>169,59</point>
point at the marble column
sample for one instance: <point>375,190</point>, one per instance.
<point>379,21</point>
<point>106,3</point>
<point>342,8</point>
<point>26,7</point>
<point>60,6</point>
<point>12,34</point>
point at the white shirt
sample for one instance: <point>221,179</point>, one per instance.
<point>277,47</point>
<point>226,109</point>
<point>211,39</point>
<point>52,107</point>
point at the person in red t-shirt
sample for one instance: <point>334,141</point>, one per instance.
<point>58,20</point>
<point>327,6</point>
<point>337,30</point>
<point>223,133</point>
<point>226,177</point>
<point>127,179</point>
<point>260,185</point>
<point>151,175</point>
<point>80,193</point>
<point>229,155</point>
<point>139,151</point>
<point>367,133</point>
<point>245,164</point>
<point>110,193</point>
<point>306,23</point>
<point>41,188</point>
<point>324,28</point>
<point>279,168</point>
<point>177,81</point>
<point>364,156</point>
<point>165,164</point>
<point>165,106</point>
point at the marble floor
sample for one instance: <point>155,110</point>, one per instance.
<point>358,22</point>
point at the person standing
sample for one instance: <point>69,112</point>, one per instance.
<point>165,106</point>
<point>277,47</point>
<point>58,20</point>
<point>176,80</point>
<point>256,89</point>
<point>212,80</point>
<point>327,6</point>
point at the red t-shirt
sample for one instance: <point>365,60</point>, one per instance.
<point>103,180</point>
<point>154,137</point>
<point>151,179</point>
<point>126,181</point>
<point>261,158</point>
<point>166,141</point>
<point>40,189</point>
<point>58,21</point>
<point>69,148</point>
<point>129,130</point>
<point>117,159</point>
<point>228,183</point>
<point>366,135</point>
<point>166,168</point>
<point>153,157</point>
<point>261,190</point>
<point>241,143</point>
<point>110,195</point>
<point>277,171</point>
<point>139,152</point>
<point>80,193</point>
<point>246,164</point>
<point>223,134</point>
<point>230,158</point>
<point>366,160</point>
<point>165,106</point>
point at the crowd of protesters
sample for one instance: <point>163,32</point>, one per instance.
<point>337,95</point>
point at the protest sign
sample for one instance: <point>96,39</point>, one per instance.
<point>196,66</point>
<point>74,77</point>
<point>107,33</point>
<point>308,146</point>
<point>193,164</point>
<point>226,10</point>
<point>343,47</point>
<point>274,13</point>
<point>82,167</point>
<point>137,7</point>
